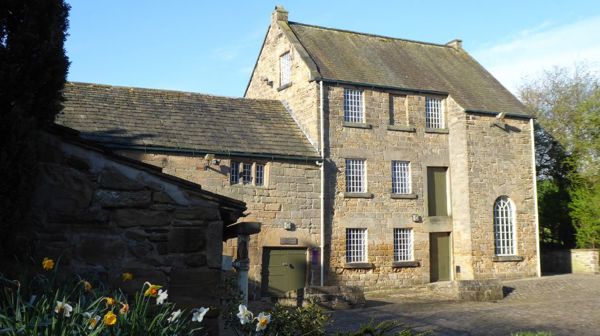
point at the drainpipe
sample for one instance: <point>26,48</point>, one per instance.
<point>535,200</point>
<point>322,143</point>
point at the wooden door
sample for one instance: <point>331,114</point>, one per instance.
<point>283,270</point>
<point>439,252</point>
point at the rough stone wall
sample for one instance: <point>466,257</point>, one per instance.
<point>381,213</point>
<point>103,218</point>
<point>585,261</point>
<point>500,163</point>
<point>301,98</point>
<point>290,194</point>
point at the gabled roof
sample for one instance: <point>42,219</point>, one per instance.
<point>380,61</point>
<point>160,119</point>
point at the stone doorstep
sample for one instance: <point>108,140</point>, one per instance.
<point>329,297</point>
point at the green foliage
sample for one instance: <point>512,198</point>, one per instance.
<point>35,308</point>
<point>309,320</point>
<point>567,106</point>
<point>33,69</point>
<point>585,210</point>
<point>385,328</point>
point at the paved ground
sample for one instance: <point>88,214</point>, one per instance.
<point>561,304</point>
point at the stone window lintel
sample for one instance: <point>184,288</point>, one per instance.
<point>357,125</point>
<point>284,86</point>
<point>507,258</point>
<point>401,128</point>
<point>359,265</point>
<point>358,195</point>
<point>404,196</point>
<point>437,130</point>
<point>406,264</point>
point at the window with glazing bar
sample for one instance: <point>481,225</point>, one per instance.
<point>434,117</point>
<point>247,173</point>
<point>285,69</point>
<point>504,227</point>
<point>356,176</point>
<point>356,245</point>
<point>403,245</point>
<point>259,179</point>
<point>234,173</point>
<point>401,177</point>
<point>353,106</point>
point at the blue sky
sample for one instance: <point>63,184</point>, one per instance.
<point>211,46</point>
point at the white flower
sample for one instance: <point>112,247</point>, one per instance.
<point>93,322</point>
<point>244,315</point>
<point>263,321</point>
<point>174,316</point>
<point>198,314</point>
<point>64,308</point>
<point>162,296</point>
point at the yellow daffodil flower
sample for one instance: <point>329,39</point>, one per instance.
<point>110,301</point>
<point>110,319</point>
<point>87,286</point>
<point>152,290</point>
<point>48,264</point>
<point>127,276</point>
<point>262,321</point>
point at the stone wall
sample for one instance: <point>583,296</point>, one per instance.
<point>301,97</point>
<point>290,194</point>
<point>500,164</point>
<point>585,261</point>
<point>103,216</point>
<point>380,213</point>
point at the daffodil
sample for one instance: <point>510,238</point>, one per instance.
<point>64,308</point>
<point>244,314</point>
<point>127,276</point>
<point>109,301</point>
<point>162,296</point>
<point>124,308</point>
<point>93,322</point>
<point>174,316</point>
<point>198,314</point>
<point>87,286</point>
<point>48,264</point>
<point>262,321</point>
<point>152,289</point>
<point>110,319</point>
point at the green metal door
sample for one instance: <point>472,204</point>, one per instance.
<point>283,270</point>
<point>439,253</point>
<point>437,201</point>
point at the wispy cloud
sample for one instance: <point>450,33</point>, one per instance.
<point>230,52</point>
<point>542,47</point>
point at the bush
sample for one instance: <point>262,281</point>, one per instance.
<point>48,306</point>
<point>385,328</point>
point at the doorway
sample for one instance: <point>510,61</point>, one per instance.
<point>439,254</point>
<point>284,270</point>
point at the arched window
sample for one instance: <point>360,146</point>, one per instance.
<point>504,226</point>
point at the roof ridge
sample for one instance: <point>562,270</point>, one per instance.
<point>369,34</point>
<point>73,83</point>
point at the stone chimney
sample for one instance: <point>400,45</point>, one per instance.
<point>279,14</point>
<point>456,44</point>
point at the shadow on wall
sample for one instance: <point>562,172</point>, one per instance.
<point>556,262</point>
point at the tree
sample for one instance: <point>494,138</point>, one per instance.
<point>567,107</point>
<point>33,69</point>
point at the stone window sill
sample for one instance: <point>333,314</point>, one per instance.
<point>358,195</point>
<point>357,125</point>
<point>364,265</point>
<point>507,258</point>
<point>284,86</point>
<point>401,128</point>
<point>404,196</point>
<point>437,130</point>
<point>403,264</point>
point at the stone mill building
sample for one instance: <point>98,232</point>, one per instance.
<point>370,161</point>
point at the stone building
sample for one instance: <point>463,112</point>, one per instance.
<point>370,161</point>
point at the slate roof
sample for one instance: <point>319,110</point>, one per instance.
<point>150,118</point>
<point>351,57</point>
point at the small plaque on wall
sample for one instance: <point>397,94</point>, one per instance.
<point>288,241</point>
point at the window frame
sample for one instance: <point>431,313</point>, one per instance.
<point>359,240</point>
<point>247,173</point>
<point>234,171</point>
<point>353,179</point>
<point>397,181</point>
<point>354,115</point>
<point>259,178</point>
<point>285,69</point>
<point>407,246</point>
<point>435,123</point>
<point>505,227</point>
